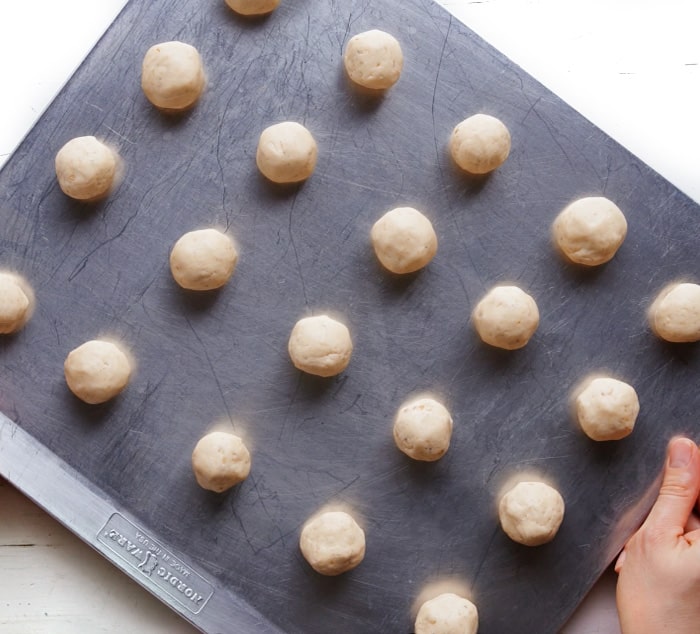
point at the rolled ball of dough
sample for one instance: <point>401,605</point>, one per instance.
<point>590,230</point>
<point>16,301</point>
<point>531,513</point>
<point>480,144</point>
<point>85,168</point>
<point>253,7</point>
<point>447,613</point>
<point>203,260</point>
<point>320,345</point>
<point>172,75</point>
<point>422,429</point>
<point>332,543</point>
<point>97,371</point>
<point>286,153</point>
<point>373,59</point>
<point>219,461</point>
<point>404,240</point>
<point>675,313</point>
<point>607,408</point>
<point>506,317</point>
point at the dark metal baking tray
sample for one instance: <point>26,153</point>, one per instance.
<point>119,474</point>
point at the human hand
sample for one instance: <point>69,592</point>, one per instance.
<point>658,588</point>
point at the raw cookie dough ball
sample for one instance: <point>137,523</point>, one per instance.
<point>219,461</point>
<point>480,144</point>
<point>320,345</point>
<point>253,7</point>
<point>506,317</point>
<point>447,613</point>
<point>332,543</point>
<point>531,513</point>
<point>16,301</point>
<point>422,429</point>
<point>607,409</point>
<point>97,371</point>
<point>590,230</point>
<point>675,313</point>
<point>373,59</point>
<point>404,240</point>
<point>203,260</point>
<point>172,75</point>
<point>85,168</point>
<point>286,153</point>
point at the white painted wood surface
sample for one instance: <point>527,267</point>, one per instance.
<point>630,66</point>
<point>53,583</point>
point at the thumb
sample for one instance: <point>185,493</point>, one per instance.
<point>679,489</point>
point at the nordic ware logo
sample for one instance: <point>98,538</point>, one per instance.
<point>160,568</point>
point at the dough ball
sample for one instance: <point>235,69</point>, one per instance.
<point>172,75</point>
<point>531,513</point>
<point>320,345</point>
<point>286,153</point>
<point>219,461</point>
<point>332,543</point>
<point>97,371</point>
<point>607,408</point>
<point>675,314</point>
<point>506,317</point>
<point>16,302</point>
<point>404,240</point>
<point>480,144</point>
<point>86,168</point>
<point>253,7</point>
<point>590,230</point>
<point>203,260</point>
<point>373,59</point>
<point>447,613</point>
<point>422,429</point>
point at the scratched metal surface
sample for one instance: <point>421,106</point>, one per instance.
<point>103,269</point>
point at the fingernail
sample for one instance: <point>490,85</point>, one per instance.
<point>680,453</point>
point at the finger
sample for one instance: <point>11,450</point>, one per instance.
<point>679,489</point>
<point>693,537</point>
<point>692,524</point>
<point>620,561</point>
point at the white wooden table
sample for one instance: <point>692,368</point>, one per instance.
<point>630,66</point>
